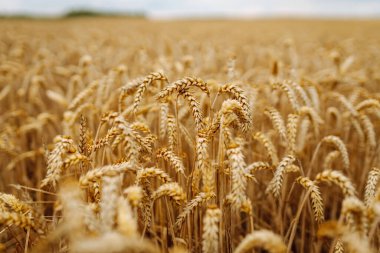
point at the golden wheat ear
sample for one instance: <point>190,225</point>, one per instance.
<point>265,239</point>
<point>210,236</point>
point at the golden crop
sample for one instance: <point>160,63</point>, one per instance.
<point>123,135</point>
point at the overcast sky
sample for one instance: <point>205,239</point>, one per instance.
<point>178,8</point>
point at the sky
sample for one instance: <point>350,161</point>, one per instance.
<point>202,8</point>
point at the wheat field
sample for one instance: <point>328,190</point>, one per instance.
<point>129,135</point>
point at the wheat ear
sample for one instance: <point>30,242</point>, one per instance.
<point>370,188</point>
<point>265,239</point>
<point>173,160</point>
<point>143,85</point>
<point>270,148</point>
<point>367,104</point>
<point>339,144</point>
<point>316,198</point>
<point>210,236</point>
<point>291,132</point>
<point>275,184</point>
<point>198,200</point>
<point>172,190</point>
<point>284,86</point>
<point>339,179</point>
<point>182,84</point>
<point>108,202</point>
<point>277,121</point>
<point>146,173</point>
<point>108,170</point>
<point>240,96</point>
<point>355,213</point>
<point>237,197</point>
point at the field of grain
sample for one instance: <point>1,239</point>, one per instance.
<point>123,135</point>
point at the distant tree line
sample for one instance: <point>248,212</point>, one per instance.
<point>75,14</point>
